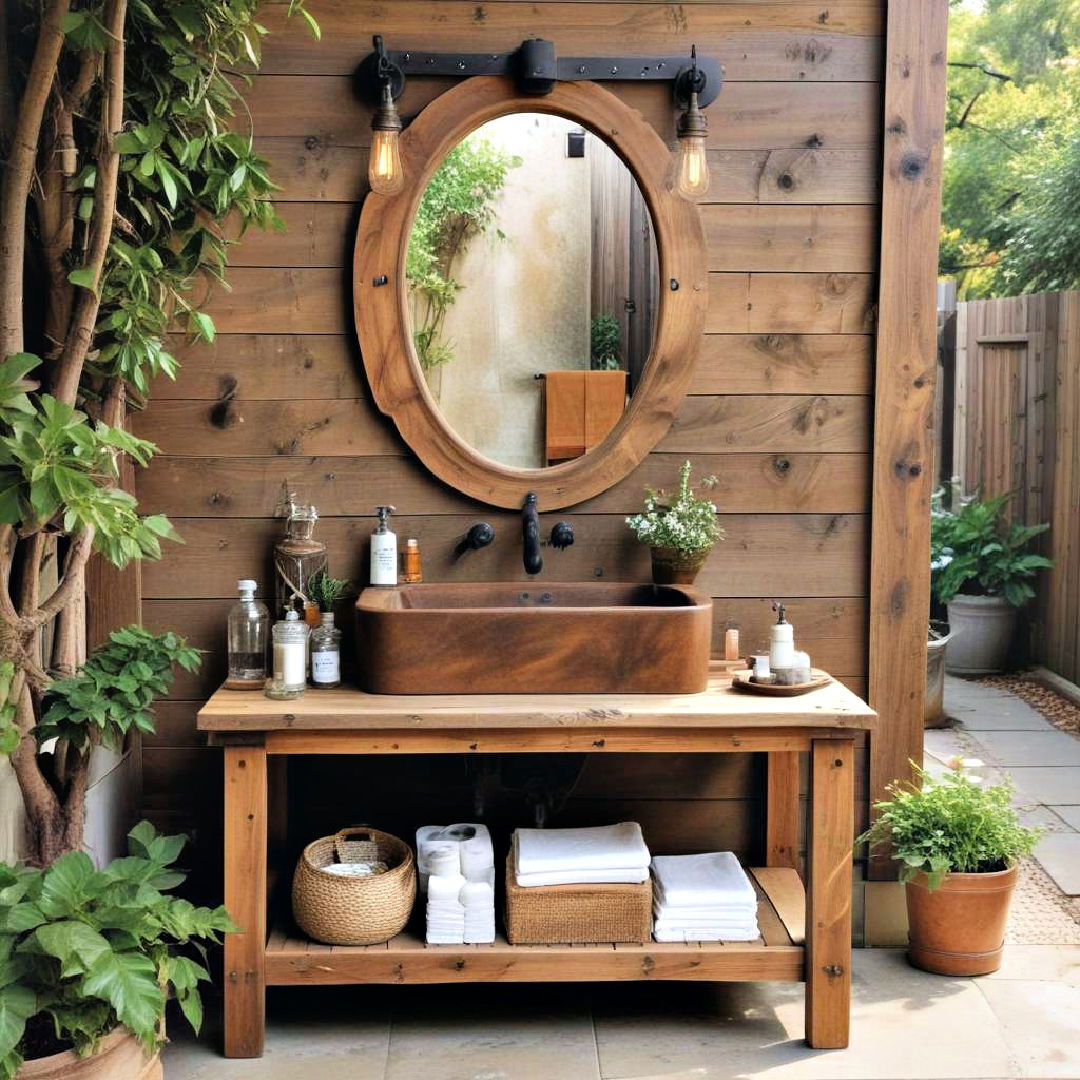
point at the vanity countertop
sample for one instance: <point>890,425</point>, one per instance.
<point>348,709</point>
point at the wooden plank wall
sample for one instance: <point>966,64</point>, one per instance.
<point>779,409</point>
<point>1016,428</point>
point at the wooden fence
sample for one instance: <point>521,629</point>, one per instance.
<point>1010,385</point>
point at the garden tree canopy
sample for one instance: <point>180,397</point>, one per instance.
<point>125,154</point>
<point>1012,165</point>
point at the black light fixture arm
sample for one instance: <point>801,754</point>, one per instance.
<point>536,68</point>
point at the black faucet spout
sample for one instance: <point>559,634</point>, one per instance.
<point>530,535</point>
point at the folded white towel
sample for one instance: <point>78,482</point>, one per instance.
<point>663,934</point>
<point>744,924</point>
<point>700,880</point>
<point>718,913</point>
<point>585,877</point>
<point>607,847</point>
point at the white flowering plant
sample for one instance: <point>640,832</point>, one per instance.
<point>686,522</point>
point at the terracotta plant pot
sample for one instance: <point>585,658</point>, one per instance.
<point>671,568</point>
<point>959,928</point>
<point>119,1057</point>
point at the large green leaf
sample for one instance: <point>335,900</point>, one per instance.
<point>128,981</point>
<point>66,885</point>
<point>17,1004</point>
<point>77,946</point>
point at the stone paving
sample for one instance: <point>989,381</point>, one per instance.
<point>1022,1022</point>
<point>1043,763</point>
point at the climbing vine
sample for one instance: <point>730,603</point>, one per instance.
<point>457,204</point>
<point>126,156</point>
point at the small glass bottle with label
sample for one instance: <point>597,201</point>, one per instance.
<point>290,637</point>
<point>326,654</point>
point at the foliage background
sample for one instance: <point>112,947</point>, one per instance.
<point>1012,147</point>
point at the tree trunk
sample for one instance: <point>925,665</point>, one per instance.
<point>19,173</point>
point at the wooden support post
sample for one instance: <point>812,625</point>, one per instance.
<point>828,894</point>
<point>782,810</point>
<point>914,106</point>
<point>245,898</point>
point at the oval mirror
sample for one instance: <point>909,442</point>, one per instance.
<point>529,305</point>
<point>533,285</point>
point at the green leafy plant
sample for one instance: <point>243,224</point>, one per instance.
<point>952,825</point>
<point>975,550</point>
<point>326,591</point>
<point>604,342</point>
<point>114,691</point>
<point>686,522</point>
<point>82,950</point>
<point>457,203</point>
<point>129,146</point>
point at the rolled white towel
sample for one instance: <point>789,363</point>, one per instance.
<point>700,880</point>
<point>607,847</point>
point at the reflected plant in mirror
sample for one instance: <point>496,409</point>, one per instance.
<point>533,287</point>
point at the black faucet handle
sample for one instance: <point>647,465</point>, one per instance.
<point>562,535</point>
<point>479,536</point>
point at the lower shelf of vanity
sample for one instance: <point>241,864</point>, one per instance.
<point>777,956</point>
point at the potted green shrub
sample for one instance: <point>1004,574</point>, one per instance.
<point>982,570</point>
<point>90,958</point>
<point>87,956</point>
<point>958,843</point>
<point>680,530</point>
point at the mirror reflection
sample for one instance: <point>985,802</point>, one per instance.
<point>532,288</point>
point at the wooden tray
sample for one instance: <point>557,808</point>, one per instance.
<point>818,679</point>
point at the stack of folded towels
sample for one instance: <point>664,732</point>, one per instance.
<point>456,865</point>
<point>609,853</point>
<point>703,898</point>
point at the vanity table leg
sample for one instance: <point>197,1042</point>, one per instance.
<point>782,809</point>
<point>828,896</point>
<point>245,899</point>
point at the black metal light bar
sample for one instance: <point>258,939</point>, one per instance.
<point>536,69</point>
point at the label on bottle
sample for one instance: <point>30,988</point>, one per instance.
<point>326,667</point>
<point>289,663</point>
<point>383,559</point>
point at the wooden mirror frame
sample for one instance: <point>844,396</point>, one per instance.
<point>380,296</point>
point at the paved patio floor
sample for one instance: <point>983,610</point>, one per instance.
<point>1023,1022</point>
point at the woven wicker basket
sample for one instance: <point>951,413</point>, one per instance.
<point>340,910</point>
<point>576,914</point>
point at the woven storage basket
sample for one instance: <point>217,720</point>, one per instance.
<point>576,914</point>
<point>340,910</point>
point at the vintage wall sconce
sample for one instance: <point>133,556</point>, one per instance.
<point>535,67</point>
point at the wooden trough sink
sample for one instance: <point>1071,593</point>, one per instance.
<point>526,638</point>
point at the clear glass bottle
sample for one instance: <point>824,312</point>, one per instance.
<point>249,628</point>
<point>290,637</point>
<point>297,558</point>
<point>326,653</point>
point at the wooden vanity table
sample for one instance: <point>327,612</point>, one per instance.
<point>806,930</point>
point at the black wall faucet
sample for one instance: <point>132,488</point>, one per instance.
<point>530,535</point>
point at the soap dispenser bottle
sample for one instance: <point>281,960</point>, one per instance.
<point>781,644</point>
<point>384,556</point>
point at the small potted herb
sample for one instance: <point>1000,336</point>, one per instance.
<point>958,843</point>
<point>981,570</point>
<point>680,530</point>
